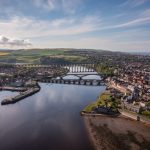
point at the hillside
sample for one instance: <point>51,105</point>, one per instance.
<point>62,55</point>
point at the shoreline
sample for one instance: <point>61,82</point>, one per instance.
<point>115,116</point>
<point>100,108</point>
<point>115,131</point>
<point>90,136</point>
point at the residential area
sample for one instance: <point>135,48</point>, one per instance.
<point>133,82</point>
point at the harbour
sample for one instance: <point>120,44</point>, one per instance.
<point>21,96</point>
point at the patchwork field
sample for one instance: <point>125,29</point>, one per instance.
<point>34,55</point>
<point>3,54</point>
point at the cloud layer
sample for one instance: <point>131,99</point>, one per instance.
<point>5,41</point>
<point>29,28</point>
<point>76,23</point>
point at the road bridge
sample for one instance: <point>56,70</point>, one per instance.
<point>87,82</point>
<point>81,75</point>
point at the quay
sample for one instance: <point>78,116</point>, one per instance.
<point>21,96</point>
<point>15,89</point>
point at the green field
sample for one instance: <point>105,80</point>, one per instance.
<point>34,55</point>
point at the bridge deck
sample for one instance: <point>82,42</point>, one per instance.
<point>75,81</point>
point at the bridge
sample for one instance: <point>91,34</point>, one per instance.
<point>79,81</point>
<point>83,67</point>
<point>86,82</point>
<point>78,70</point>
<point>80,75</point>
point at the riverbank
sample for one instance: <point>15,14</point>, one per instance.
<point>111,128</point>
<point>117,133</point>
<point>105,104</point>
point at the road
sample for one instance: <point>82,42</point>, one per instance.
<point>134,116</point>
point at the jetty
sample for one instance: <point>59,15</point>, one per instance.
<point>15,89</point>
<point>21,96</point>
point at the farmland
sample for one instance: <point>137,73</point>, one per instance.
<point>35,55</point>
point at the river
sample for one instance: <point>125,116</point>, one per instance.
<point>48,120</point>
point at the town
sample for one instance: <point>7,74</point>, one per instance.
<point>25,80</point>
<point>74,74</point>
<point>127,76</point>
<point>128,79</point>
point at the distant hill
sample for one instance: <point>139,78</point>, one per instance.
<point>141,53</point>
<point>65,55</point>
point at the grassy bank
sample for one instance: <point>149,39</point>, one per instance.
<point>104,100</point>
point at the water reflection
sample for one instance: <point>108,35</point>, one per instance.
<point>47,120</point>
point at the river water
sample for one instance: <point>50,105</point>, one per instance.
<point>48,120</point>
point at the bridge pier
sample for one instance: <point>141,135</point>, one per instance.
<point>98,83</point>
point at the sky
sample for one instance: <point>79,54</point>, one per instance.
<point>119,25</point>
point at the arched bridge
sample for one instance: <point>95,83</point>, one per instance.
<point>81,75</point>
<point>72,67</point>
<point>86,82</point>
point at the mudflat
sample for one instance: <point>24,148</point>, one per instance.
<point>119,133</point>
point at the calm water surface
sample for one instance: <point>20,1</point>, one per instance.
<point>48,120</point>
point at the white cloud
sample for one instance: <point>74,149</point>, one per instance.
<point>64,28</point>
<point>46,4</point>
<point>131,23</point>
<point>133,3</point>
<point>62,22</point>
<point>13,42</point>
<point>135,22</point>
<point>29,28</point>
<point>68,6</point>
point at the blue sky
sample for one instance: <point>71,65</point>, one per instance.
<point>122,25</point>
